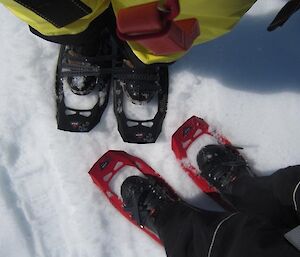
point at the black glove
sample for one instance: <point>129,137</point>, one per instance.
<point>284,14</point>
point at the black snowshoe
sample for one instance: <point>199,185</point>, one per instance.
<point>83,75</point>
<point>222,166</point>
<point>135,82</point>
<point>139,85</point>
<point>138,82</point>
<point>145,197</point>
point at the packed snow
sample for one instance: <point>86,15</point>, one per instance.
<point>245,83</point>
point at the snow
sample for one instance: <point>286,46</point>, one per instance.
<point>245,83</point>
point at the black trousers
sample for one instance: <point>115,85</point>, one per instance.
<point>267,209</point>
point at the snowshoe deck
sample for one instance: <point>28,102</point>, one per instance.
<point>182,139</point>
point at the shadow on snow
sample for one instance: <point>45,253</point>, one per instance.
<point>250,58</point>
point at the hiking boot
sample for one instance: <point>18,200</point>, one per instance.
<point>222,166</point>
<point>145,198</point>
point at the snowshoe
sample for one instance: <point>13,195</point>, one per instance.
<point>139,85</point>
<point>83,74</point>
<point>139,213</point>
<point>182,141</point>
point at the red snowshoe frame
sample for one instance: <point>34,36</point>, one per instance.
<point>107,167</point>
<point>182,139</point>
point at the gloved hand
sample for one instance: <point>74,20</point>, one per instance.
<point>284,14</point>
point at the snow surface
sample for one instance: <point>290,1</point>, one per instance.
<point>245,83</point>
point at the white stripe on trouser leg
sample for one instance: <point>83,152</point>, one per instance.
<point>294,196</point>
<point>215,233</point>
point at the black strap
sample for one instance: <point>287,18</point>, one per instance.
<point>75,68</point>
<point>284,14</point>
<point>58,12</point>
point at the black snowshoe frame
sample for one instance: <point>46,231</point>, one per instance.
<point>132,131</point>
<point>76,120</point>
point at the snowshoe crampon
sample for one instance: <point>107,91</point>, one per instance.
<point>111,164</point>
<point>82,75</point>
<point>140,85</point>
<point>193,129</point>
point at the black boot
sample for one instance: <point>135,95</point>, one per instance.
<point>222,166</point>
<point>145,198</point>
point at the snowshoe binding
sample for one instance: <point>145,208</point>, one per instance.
<point>141,188</point>
<point>144,197</point>
<point>139,84</point>
<point>82,74</point>
<point>197,131</point>
<point>222,166</point>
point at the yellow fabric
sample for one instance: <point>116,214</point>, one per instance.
<point>46,28</point>
<point>215,17</point>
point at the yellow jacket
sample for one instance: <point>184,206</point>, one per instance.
<point>215,17</point>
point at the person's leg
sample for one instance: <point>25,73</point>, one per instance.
<point>186,231</point>
<point>183,229</point>
<point>286,187</point>
<point>277,196</point>
<point>89,39</point>
<point>271,196</point>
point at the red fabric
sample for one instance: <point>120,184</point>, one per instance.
<point>141,19</point>
<point>155,30</point>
